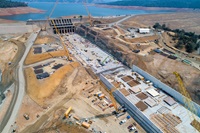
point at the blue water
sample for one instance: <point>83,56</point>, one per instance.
<point>65,9</point>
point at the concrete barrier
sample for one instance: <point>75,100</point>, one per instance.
<point>179,97</point>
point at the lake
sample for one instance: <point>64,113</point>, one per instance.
<point>66,9</point>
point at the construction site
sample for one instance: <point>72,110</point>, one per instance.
<point>100,75</point>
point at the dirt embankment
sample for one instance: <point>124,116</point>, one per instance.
<point>11,51</point>
<point>159,66</point>
<point>189,21</point>
<point>18,10</point>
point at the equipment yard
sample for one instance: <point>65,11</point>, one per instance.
<point>107,76</point>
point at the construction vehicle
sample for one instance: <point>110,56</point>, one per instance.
<point>188,102</point>
<point>89,15</point>
<point>67,112</point>
<point>111,97</point>
<point>26,116</point>
<point>102,63</point>
<point>62,42</point>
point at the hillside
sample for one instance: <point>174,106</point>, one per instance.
<point>72,1</point>
<point>8,3</point>
<point>158,3</point>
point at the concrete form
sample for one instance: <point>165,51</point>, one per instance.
<point>158,114</point>
<point>148,108</point>
<point>62,26</point>
<point>91,55</point>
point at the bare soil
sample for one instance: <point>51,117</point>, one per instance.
<point>142,39</point>
<point>159,66</point>
<point>45,39</point>
<point>2,21</point>
<point>18,10</point>
<point>189,21</point>
<point>38,90</point>
<point>33,58</point>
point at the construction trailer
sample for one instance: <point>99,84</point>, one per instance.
<point>144,30</point>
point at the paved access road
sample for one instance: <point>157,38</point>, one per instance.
<point>19,91</point>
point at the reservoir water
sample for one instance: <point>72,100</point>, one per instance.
<point>65,9</point>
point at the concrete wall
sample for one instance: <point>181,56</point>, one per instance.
<point>106,82</point>
<point>132,109</point>
<point>136,114</point>
<point>165,88</point>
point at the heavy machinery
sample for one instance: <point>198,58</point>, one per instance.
<point>102,63</point>
<point>62,41</point>
<point>187,101</point>
<point>67,112</point>
<point>111,97</point>
<point>89,15</point>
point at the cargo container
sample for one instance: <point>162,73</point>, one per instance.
<point>77,118</point>
<point>86,125</point>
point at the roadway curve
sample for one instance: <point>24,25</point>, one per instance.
<point>16,102</point>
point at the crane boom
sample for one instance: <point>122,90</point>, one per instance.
<point>111,95</point>
<point>62,41</point>
<point>89,15</point>
<point>188,101</point>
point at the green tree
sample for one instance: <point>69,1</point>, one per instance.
<point>157,26</point>
<point>189,47</point>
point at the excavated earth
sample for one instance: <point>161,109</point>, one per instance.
<point>157,65</point>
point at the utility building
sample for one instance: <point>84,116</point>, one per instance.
<point>144,30</point>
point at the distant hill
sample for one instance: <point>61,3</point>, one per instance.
<point>8,4</point>
<point>70,1</point>
<point>158,3</point>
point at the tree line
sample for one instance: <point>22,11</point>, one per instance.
<point>9,3</point>
<point>158,3</point>
<point>189,40</point>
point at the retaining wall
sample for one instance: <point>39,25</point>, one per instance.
<point>165,88</point>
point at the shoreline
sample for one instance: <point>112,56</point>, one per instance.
<point>19,10</point>
<point>147,8</point>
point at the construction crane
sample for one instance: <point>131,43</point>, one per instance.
<point>187,101</point>
<point>48,18</point>
<point>111,96</point>
<point>89,15</point>
<point>62,41</point>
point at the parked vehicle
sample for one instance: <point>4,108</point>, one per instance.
<point>122,122</point>
<point>130,126</point>
<point>132,129</point>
